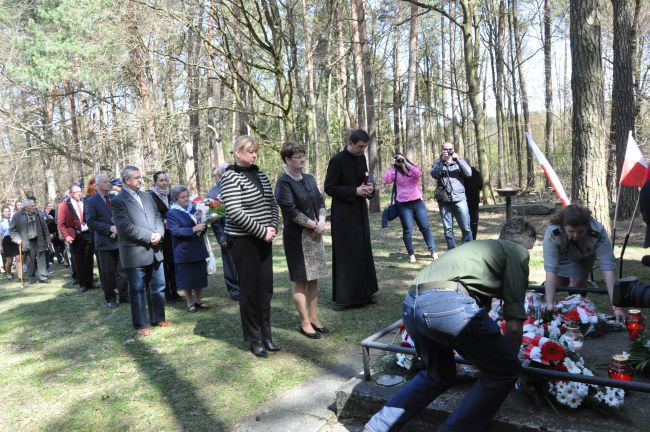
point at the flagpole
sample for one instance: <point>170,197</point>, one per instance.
<point>627,236</point>
<point>618,194</point>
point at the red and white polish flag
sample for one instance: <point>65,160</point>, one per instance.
<point>549,171</point>
<point>635,167</point>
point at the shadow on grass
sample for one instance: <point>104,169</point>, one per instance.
<point>77,340</point>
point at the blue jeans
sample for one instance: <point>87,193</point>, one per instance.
<point>147,284</point>
<point>460,211</point>
<point>439,323</point>
<point>408,211</point>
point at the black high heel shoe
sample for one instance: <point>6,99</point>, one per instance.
<point>314,335</point>
<point>320,329</point>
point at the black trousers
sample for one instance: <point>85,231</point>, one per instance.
<point>254,262</point>
<point>171,291</point>
<point>83,258</point>
<point>112,275</point>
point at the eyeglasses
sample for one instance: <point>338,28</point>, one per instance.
<point>298,157</point>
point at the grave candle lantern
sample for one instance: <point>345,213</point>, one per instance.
<point>634,323</point>
<point>619,368</point>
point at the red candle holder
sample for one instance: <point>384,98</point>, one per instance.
<point>620,369</point>
<point>635,323</point>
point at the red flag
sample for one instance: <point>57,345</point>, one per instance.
<point>549,171</point>
<point>635,166</point>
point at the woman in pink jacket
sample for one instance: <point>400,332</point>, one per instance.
<point>410,204</point>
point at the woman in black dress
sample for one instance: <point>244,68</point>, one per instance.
<point>303,212</point>
<point>9,248</point>
<point>160,194</point>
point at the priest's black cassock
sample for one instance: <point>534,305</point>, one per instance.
<point>353,268</point>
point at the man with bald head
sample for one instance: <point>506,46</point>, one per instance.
<point>98,216</point>
<point>28,229</point>
<point>75,232</point>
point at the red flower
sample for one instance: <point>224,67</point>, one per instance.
<point>560,367</point>
<point>572,315</point>
<point>552,352</point>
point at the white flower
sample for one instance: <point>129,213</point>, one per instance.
<point>404,360</point>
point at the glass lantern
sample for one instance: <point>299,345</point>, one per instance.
<point>577,339</point>
<point>635,323</point>
<point>619,368</point>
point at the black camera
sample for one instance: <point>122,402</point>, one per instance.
<point>399,158</point>
<point>450,152</point>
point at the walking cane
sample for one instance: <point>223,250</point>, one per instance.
<point>20,263</point>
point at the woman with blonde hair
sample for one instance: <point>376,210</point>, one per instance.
<point>251,225</point>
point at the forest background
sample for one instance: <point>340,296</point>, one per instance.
<point>89,86</point>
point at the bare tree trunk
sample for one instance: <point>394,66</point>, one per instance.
<point>412,79</point>
<point>471,50</point>
<point>311,93</point>
<point>548,83</point>
<point>343,66</point>
<point>397,93</point>
<point>74,129</point>
<point>515,104</point>
<point>362,121</point>
<point>530,175</point>
<point>623,101</point>
<point>143,88</point>
<point>589,152</point>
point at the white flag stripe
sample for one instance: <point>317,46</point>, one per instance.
<point>549,171</point>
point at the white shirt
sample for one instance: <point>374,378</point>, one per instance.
<point>79,205</point>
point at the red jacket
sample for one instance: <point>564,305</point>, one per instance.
<point>68,221</point>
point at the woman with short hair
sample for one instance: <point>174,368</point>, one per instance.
<point>188,246</point>
<point>251,225</point>
<point>303,214</point>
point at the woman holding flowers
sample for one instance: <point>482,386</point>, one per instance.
<point>251,225</point>
<point>303,213</point>
<point>188,245</point>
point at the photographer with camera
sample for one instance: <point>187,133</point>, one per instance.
<point>410,206</point>
<point>450,172</point>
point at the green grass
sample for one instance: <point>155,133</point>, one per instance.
<point>69,363</point>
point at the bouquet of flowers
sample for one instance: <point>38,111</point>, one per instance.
<point>549,346</point>
<point>209,209</point>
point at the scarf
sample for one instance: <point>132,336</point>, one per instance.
<point>163,194</point>
<point>190,210</point>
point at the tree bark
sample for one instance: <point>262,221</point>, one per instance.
<point>589,152</point>
<point>411,111</point>
<point>623,100</point>
<point>548,83</point>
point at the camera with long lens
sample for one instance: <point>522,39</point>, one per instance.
<point>399,162</point>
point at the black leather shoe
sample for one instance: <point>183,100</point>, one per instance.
<point>258,349</point>
<point>83,289</point>
<point>314,335</point>
<point>270,346</point>
<point>320,329</point>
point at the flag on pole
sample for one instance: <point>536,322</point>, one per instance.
<point>549,171</point>
<point>635,166</point>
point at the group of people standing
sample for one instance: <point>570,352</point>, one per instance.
<point>457,192</point>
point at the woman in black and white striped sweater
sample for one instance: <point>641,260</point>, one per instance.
<point>251,225</point>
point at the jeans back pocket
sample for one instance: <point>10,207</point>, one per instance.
<point>449,321</point>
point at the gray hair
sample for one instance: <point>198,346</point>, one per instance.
<point>176,191</point>
<point>27,202</point>
<point>101,176</point>
<point>127,170</point>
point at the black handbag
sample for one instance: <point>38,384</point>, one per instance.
<point>390,212</point>
<point>441,194</point>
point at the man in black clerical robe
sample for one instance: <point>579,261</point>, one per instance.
<point>353,271</point>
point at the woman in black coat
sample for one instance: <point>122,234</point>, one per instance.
<point>188,246</point>
<point>160,193</point>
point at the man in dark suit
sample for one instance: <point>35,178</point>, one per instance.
<point>98,217</point>
<point>76,233</point>
<point>140,230</point>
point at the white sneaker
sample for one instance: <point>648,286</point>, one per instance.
<point>434,255</point>
<point>412,258</point>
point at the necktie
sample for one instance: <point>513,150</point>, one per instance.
<point>108,202</point>
<point>81,212</point>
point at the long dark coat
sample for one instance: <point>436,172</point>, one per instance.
<point>353,268</point>
<point>644,204</point>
